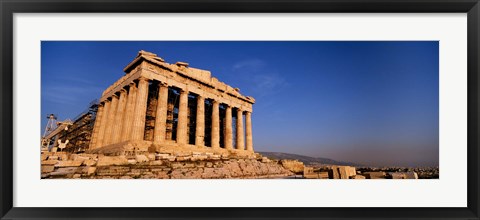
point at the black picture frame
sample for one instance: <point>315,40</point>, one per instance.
<point>9,7</point>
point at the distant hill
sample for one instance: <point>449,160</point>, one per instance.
<point>306,159</point>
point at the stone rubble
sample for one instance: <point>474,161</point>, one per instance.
<point>294,166</point>
<point>196,165</point>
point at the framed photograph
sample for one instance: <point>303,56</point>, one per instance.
<point>256,110</point>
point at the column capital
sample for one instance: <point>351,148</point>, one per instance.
<point>114,95</point>
<point>132,84</point>
<point>183,90</point>
<point>122,90</point>
<point>143,79</point>
<point>162,84</point>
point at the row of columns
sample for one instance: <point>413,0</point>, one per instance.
<point>122,118</point>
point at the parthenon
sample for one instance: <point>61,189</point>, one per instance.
<point>160,104</point>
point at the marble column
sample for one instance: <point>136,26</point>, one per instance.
<point>119,117</point>
<point>103,124</point>
<point>140,112</point>
<point>111,120</point>
<point>228,128</point>
<point>215,125</point>
<point>129,109</point>
<point>161,114</point>
<point>96,127</point>
<point>248,131</point>
<point>240,143</point>
<point>182,123</point>
<point>200,123</point>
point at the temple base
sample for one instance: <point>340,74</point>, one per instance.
<point>169,147</point>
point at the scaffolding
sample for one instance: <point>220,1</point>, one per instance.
<point>78,132</point>
<point>51,125</point>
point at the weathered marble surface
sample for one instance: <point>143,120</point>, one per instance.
<point>196,165</point>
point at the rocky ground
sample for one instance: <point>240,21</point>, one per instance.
<point>200,165</point>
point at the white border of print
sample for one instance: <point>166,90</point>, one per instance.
<point>449,191</point>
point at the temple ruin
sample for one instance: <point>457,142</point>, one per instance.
<point>159,105</point>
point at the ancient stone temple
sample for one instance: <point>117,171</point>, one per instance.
<point>173,106</point>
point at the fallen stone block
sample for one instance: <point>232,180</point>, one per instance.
<point>69,163</point>
<point>375,175</point>
<point>171,158</point>
<point>62,156</point>
<point>346,171</point>
<point>199,157</point>
<point>161,156</point>
<point>161,175</point>
<point>323,175</point>
<point>89,162</point>
<point>398,175</point>
<point>214,157</point>
<point>307,170</point>
<point>112,171</point>
<point>176,165</point>
<point>200,164</point>
<point>189,165</point>
<point>53,158</point>
<point>47,168</point>
<point>141,158</point>
<point>78,157</point>
<point>49,162</point>
<point>64,171</point>
<point>183,158</point>
<point>411,175</point>
<point>138,171</point>
<point>265,160</point>
<point>112,160</point>
<point>89,156</point>
<point>358,177</point>
<point>43,157</point>
<point>151,156</point>
<point>311,176</point>
<point>294,166</point>
<point>182,154</point>
<point>155,162</point>
<point>89,170</point>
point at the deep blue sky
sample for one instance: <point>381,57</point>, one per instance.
<point>374,103</point>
